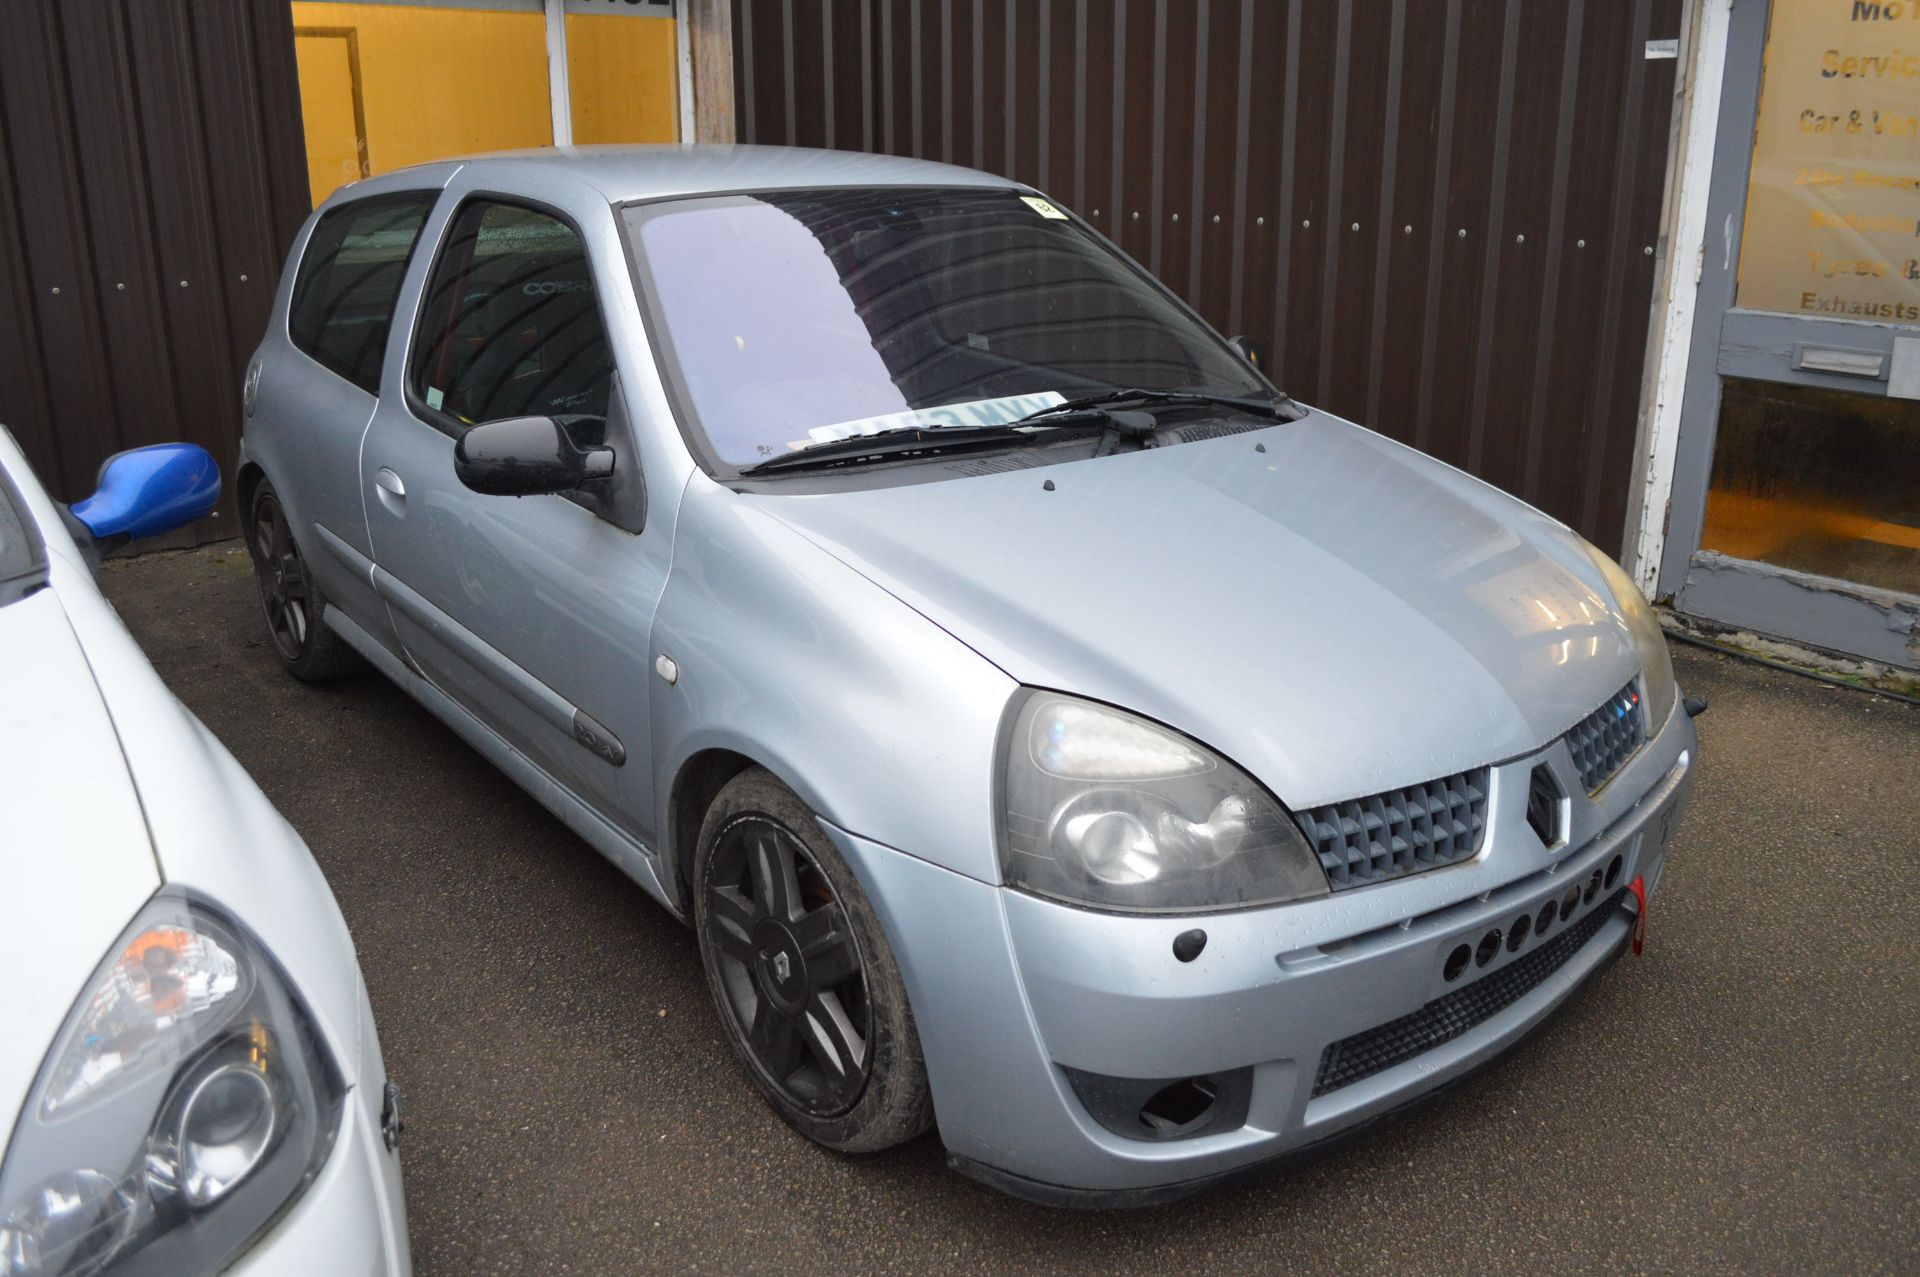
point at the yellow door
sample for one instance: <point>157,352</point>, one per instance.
<point>329,99</point>
<point>432,82</point>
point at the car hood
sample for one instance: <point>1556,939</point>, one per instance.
<point>1336,613</point>
<point>76,862</point>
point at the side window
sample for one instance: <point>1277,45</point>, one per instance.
<point>510,326</point>
<point>343,296</point>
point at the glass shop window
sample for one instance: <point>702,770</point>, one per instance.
<point>1819,481</point>
<point>1833,195</point>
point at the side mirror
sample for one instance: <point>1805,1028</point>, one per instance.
<point>1249,349</point>
<point>148,491</point>
<point>523,456</point>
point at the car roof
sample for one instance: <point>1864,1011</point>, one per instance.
<point>624,173</point>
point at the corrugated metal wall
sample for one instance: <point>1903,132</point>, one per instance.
<point>152,175</point>
<point>1437,215</point>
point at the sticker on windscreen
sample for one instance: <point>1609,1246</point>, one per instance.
<point>1043,208</point>
<point>951,416</point>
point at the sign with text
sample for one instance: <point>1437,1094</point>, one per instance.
<point>1833,199</point>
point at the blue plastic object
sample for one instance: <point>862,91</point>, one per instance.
<point>147,491</point>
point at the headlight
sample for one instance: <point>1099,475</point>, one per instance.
<point>1105,808</point>
<point>185,1104</point>
<point>1656,663</point>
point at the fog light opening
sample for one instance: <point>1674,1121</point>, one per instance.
<point>1593,888</point>
<point>1457,962</point>
<point>1614,867</point>
<point>1179,1105</point>
<point>1547,913</point>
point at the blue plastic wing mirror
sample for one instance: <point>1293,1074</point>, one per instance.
<point>148,491</point>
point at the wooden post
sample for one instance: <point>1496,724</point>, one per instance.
<point>710,30</point>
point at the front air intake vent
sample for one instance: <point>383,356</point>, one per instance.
<point>1000,464</point>
<point>1447,1017</point>
<point>1216,430</point>
<point>1604,740</point>
<point>1403,831</point>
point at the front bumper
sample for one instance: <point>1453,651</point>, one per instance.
<point>352,1220</point>
<point>1018,1000</point>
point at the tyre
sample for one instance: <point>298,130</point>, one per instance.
<point>802,975</point>
<point>309,649</point>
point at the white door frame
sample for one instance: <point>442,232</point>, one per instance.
<point>557,84</point>
<point>1671,341</point>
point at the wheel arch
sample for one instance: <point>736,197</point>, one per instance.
<point>696,783</point>
<point>246,481</point>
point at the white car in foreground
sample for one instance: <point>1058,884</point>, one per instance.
<point>189,1076</point>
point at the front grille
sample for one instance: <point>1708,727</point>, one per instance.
<point>1403,831</point>
<point>1446,1018</point>
<point>1605,739</point>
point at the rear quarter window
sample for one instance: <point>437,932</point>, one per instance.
<point>348,280</point>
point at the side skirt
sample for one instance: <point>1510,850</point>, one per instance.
<point>633,859</point>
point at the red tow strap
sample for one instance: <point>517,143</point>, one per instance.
<point>1639,889</point>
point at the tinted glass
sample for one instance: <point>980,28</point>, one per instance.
<point>1821,481</point>
<point>795,317</point>
<point>343,296</point>
<point>511,327</point>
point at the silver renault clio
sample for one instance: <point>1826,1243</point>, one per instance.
<point>1051,730</point>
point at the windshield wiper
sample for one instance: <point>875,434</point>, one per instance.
<point>909,439</point>
<point>1274,410</point>
<point>1105,412</point>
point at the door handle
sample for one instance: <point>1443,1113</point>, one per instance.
<point>388,481</point>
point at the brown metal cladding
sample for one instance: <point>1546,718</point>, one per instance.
<point>152,175</point>
<point>1434,214</point>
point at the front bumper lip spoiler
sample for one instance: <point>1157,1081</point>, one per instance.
<point>1063,1197</point>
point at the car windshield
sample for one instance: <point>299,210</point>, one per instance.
<point>792,318</point>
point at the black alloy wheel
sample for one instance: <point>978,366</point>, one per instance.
<point>789,966</point>
<point>802,973</point>
<point>293,604</point>
<point>284,590</point>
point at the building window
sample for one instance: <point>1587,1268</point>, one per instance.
<point>1820,481</point>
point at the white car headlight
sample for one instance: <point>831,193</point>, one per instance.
<point>185,1104</point>
<point>1105,808</point>
<point>1656,663</point>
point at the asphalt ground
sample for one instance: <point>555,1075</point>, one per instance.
<point>1740,1099</point>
